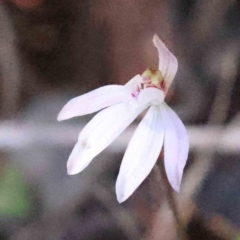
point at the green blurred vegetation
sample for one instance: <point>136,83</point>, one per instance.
<point>14,196</point>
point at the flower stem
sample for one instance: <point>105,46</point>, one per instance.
<point>168,193</point>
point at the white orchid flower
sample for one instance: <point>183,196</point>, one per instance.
<point>122,105</point>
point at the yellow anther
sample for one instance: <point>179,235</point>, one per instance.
<point>153,77</point>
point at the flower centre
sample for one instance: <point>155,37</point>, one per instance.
<point>153,78</point>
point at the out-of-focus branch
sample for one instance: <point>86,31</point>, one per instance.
<point>227,78</point>
<point>16,135</point>
<point>218,115</point>
<point>9,66</point>
<point>207,16</point>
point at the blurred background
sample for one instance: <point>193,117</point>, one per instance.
<point>53,50</point>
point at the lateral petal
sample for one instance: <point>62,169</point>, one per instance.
<point>141,154</point>
<point>93,101</point>
<point>100,132</point>
<point>168,63</point>
<point>133,83</point>
<point>176,146</point>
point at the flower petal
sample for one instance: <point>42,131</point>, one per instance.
<point>134,83</point>
<point>176,146</point>
<point>151,95</point>
<point>168,63</point>
<point>141,154</point>
<point>93,101</point>
<point>100,132</point>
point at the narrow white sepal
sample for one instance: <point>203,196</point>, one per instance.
<point>93,101</point>
<point>100,132</point>
<point>141,154</point>
<point>168,63</point>
<point>176,146</point>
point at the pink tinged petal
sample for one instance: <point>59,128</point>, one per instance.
<point>100,132</point>
<point>151,96</point>
<point>132,88</point>
<point>134,83</point>
<point>168,63</point>
<point>93,101</point>
<point>176,146</point>
<point>141,154</point>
